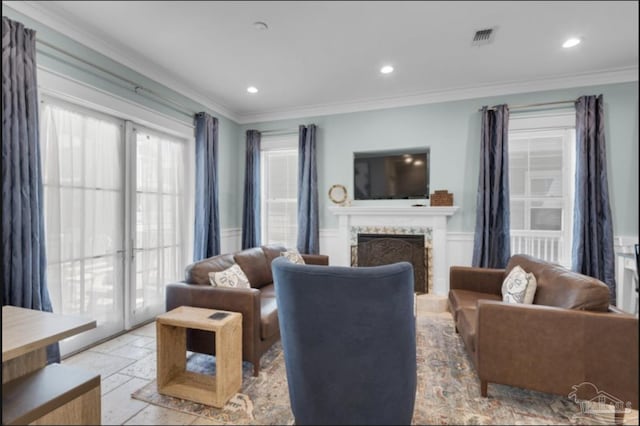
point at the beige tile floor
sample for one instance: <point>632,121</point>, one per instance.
<point>127,363</point>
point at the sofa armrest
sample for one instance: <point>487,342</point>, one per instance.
<point>315,259</point>
<point>552,349</point>
<point>243,300</point>
<point>483,280</point>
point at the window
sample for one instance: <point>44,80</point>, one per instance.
<point>279,159</point>
<point>114,200</point>
<point>541,170</point>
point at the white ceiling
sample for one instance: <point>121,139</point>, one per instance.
<point>328,54</point>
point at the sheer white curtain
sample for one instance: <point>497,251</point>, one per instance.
<point>160,219</point>
<point>83,173</point>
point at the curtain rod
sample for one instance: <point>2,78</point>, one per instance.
<point>137,88</point>
<point>534,105</point>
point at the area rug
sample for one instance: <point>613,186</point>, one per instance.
<point>448,390</point>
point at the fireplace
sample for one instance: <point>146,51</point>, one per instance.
<point>383,249</point>
<point>430,222</point>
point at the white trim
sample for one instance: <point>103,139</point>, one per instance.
<point>230,232</point>
<point>329,233</point>
<point>44,13</point>
<point>623,244</point>
<point>620,75</point>
<point>279,142</point>
<point>230,240</point>
<point>393,211</point>
<point>70,90</point>
<point>460,236</point>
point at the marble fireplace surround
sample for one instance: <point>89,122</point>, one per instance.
<point>428,221</point>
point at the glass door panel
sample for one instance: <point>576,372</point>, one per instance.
<point>158,221</point>
<point>83,175</point>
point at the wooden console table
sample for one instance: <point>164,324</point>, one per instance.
<point>33,392</point>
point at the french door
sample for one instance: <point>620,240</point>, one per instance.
<point>158,219</point>
<point>114,222</point>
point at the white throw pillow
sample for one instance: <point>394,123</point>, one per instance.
<point>294,256</point>
<point>519,286</point>
<point>230,277</point>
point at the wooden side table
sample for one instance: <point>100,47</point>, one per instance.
<point>173,377</point>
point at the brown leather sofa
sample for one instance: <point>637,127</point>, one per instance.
<point>568,336</point>
<point>257,304</point>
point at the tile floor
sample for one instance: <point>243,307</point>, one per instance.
<point>127,363</point>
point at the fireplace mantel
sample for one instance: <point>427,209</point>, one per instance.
<point>405,217</point>
<point>393,211</point>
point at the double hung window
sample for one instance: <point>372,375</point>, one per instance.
<point>279,160</point>
<point>541,172</point>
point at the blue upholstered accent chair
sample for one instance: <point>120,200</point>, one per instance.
<point>349,340</point>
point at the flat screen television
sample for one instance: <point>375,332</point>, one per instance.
<point>389,175</point>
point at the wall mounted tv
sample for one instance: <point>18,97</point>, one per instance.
<point>388,175</point>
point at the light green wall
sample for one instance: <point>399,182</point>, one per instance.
<point>451,130</point>
<point>228,133</point>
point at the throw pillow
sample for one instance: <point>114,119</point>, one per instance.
<point>230,277</point>
<point>294,256</point>
<point>519,286</point>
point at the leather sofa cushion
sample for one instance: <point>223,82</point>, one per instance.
<point>271,252</point>
<point>461,299</point>
<point>254,264</point>
<point>562,288</point>
<point>268,312</point>
<point>198,272</point>
<point>268,290</point>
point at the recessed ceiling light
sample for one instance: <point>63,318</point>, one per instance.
<point>571,42</point>
<point>252,89</point>
<point>387,69</point>
<point>259,25</point>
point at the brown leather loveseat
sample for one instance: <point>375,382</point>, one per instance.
<point>257,304</point>
<point>568,336</point>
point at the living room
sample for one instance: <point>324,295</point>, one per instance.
<point>358,80</point>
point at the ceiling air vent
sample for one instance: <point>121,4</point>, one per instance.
<point>483,37</point>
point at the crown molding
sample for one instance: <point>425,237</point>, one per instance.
<point>44,13</point>
<point>621,75</point>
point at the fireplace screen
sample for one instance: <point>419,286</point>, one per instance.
<point>382,249</point>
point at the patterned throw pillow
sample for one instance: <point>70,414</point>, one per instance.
<point>294,256</point>
<point>230,277</point>
<point>519,286</point>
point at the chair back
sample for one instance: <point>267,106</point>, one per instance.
<point>349,340</point>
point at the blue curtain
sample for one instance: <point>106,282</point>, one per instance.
<point>251,204</point>
<point>592,250</point>
<point>207,220</point>
<point>491,245</point>
<point>23,244</point>
<point>308,224</point>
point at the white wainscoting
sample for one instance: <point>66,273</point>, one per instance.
<point>626,273</point>
<point>230,240</point>
<point>459,249</point>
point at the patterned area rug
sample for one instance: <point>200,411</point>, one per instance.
<point>448,390</point>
